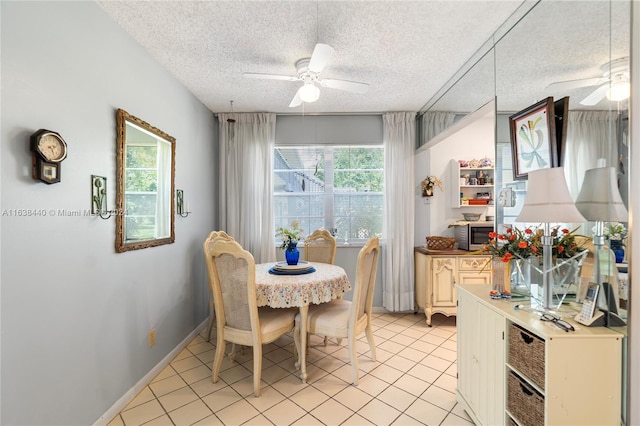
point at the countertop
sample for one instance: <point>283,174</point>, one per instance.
<point>452,252</point>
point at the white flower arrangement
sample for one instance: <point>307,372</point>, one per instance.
<point>289,236</point>
<point>615,231</point>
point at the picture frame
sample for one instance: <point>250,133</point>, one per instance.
<point>561,108</point>
<point>533,139</point>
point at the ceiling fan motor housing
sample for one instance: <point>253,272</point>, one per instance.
<point>304,73</point>
<point>616,67</point>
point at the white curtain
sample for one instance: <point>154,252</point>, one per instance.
<point>246,170</point>
<point>399,134</point>
<point>434,123</point>
<point>591,135</point>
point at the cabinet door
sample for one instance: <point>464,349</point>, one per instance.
<point>490,328</point>
<point>468,386</point>
<point>443,273</point>
<point>420,280</point>
<point>481,357</point>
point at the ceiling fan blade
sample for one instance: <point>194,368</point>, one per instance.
<point>270,76</point>
<point>349,86</point>
<point>574,84</point>
<point>296,100</point>
<point>321,55</point>
<point>595,96</point>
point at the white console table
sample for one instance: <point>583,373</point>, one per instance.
<point>514,368</point>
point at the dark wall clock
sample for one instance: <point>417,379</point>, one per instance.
<point>48,150</point>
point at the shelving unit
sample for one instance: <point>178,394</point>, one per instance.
<point>470,191</point>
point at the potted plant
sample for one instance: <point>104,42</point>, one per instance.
<point>615,233</point>
<point>428,184</point>
<point>525,248</point>
<point>290,238</point>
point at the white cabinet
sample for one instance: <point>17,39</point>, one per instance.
<point>515,369</point>
<point>436,277</point>
<point>471,186</point>
<point>481,357</point>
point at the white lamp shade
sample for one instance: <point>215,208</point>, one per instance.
<point>548,199</point>
<point>599,197</point>
<point>309,92</point>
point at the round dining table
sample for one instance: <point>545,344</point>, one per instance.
<point>326,283</point>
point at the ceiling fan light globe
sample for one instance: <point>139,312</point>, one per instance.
<point>619,91</point>
<point>309,93</point>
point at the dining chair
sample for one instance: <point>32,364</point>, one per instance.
<point>320,246</point>
<point>232,276</point>
<point>213,237</point>
<point>344,319</point>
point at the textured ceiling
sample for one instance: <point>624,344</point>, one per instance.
<point>405,50</point>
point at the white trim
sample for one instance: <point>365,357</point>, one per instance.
<point>146,379</point>
<point>633,341</point>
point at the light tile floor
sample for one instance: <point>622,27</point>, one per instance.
<point>412,382</point>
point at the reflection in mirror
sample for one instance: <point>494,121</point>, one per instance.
<point>145,184</point>
<point>570,49</point>
<point>594,41</point>
<point>468,92</point>
<point>554,42</point>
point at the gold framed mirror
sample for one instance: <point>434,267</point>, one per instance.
<point>145,184</point>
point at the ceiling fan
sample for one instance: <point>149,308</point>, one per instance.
<point>614,83</point>
<point>308,71</point>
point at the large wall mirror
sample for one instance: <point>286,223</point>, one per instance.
<point>145,184</point>
<point>550,42</point>
<point>578,50</point>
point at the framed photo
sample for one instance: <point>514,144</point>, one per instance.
<point>533,139</point>
<point>561,108</point>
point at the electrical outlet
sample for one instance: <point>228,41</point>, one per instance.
<point>152,337</point>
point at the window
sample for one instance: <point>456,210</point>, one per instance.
<point>146,188</point>
<point>340,188</point>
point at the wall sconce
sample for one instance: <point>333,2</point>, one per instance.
<point>182,208</point>
<point>99,197</point>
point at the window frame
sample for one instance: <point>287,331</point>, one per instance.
<point>330,216</point>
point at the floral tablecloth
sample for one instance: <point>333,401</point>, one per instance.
<point>286,291</point>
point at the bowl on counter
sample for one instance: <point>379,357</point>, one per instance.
<point>471,217</point>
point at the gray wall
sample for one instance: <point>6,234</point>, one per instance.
<point>329,129</point>
<point>74,314</point>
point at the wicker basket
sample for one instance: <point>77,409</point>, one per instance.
<point>440,243</point>
<point>526,354</point>
<point>524,402</point>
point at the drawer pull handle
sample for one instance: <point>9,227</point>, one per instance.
<point>525,390</point>
<point>527,339</point>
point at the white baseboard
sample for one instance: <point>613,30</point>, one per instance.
<point>144,381</point>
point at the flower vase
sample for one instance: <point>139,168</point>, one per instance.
<point>501,275</point>
<point>427,192</point>
<point>616,248</point>
<point>292,254</point>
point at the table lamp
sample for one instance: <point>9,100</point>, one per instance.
<point>548,201</point>
<point>600,201</point>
